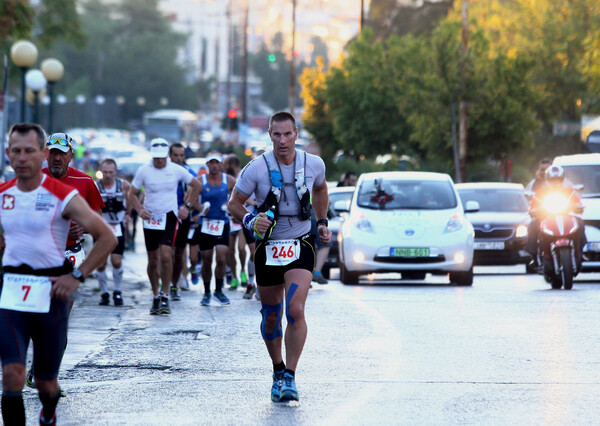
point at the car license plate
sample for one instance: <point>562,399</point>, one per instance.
<point>482,245</point>
<point>593,246</point>
<point>409,252</point>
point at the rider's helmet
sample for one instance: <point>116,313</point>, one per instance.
<point>555,175</point>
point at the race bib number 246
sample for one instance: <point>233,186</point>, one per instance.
<point>282,252</point>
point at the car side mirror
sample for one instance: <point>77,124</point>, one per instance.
<point>341,206</point>
<point>471,206</point>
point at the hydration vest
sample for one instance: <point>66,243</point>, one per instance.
<point>277,183</point>
<point>114,204</point>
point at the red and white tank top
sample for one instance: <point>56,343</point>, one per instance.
<point>34,229</point>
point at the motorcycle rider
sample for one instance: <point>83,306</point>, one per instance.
<point>555,183</point>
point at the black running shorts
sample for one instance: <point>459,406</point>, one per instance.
<point>154,238</point>
<point>267,275</point>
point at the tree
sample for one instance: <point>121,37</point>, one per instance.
<point>363,101</point>
<point>131,52</point>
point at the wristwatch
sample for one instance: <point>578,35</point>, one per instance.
<point>323,222</point>
<point>78,274</point>
<point>188,205</point>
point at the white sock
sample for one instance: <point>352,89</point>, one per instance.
<point>118,277</point>
<point>103,281</point>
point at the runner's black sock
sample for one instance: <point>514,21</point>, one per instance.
<point>279,367</point>
<point>13,409</point>
<point>207,286</point>
<point>49,404</point>
<point>292,372</point>
<point>219,283</point>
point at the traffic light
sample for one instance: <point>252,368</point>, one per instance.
<point>230,121</point>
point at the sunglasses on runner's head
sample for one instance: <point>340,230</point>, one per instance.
<point>59,141</point>
<point>159,144</point>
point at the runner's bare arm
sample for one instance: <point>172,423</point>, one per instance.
<point>236,205</point>
<point>136,203</point>
<point>77,209</point>
<point>320,200</point>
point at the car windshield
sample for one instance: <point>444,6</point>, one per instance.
<point>586,175</point>
<point>395,194</point>
<point>495,200</point>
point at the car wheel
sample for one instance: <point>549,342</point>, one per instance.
<point>326,272</point>
<point>347,277</point>
<point>462,278</point>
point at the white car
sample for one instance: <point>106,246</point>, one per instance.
<point>407,222</point>
<point>584,169</point>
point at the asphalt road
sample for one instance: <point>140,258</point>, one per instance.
<point>508,350</point>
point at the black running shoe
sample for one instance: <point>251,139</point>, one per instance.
<point>104,301</point>
<point>155,309</point>
<point>164,305</point>
<point>118,298</point>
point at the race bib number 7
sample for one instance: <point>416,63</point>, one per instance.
<point>157,221</point>
<point>282,252</point>
<point>26,293</point>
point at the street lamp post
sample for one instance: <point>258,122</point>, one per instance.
<point>36,82</point>
<point>53,70</point>
<point>23,54</point>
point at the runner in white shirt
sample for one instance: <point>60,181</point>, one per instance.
<point>160,216</point>
<point>38,280</point>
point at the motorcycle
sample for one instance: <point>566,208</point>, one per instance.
<point>559,239</point>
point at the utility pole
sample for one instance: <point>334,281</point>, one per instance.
<point>362,14</point>
<point>463,107</point>
<point>245,66</point>
<point>229,57</point>
<point>292,97</point>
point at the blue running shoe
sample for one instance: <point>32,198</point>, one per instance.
<point>221,298</point>
<point>205,299</point>
<point>288,388</point>
<point>276,388</point>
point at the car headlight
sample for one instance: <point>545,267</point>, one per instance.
<point>521,231</point>
<point>364,225</point>
<point>455,223</point>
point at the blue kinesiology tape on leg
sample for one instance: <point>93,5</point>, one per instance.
<point>266,311</point>
<point>291,291</point>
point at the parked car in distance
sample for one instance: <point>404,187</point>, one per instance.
<point>197,164</point>
<point>407,222</point>
<point>340,197</point>
<point>501,222</point>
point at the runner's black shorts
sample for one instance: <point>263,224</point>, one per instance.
<point>120,248</point>
<point>208,242</point>
<point>181,240</point>
<point>268,276</point>
<point>156,237</point>
<point>48,331</point>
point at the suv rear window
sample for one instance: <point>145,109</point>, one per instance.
<point>384,194</point>
<point>496,200</point>
<point>587,175</point>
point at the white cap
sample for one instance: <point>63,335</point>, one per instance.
<point>159,148</point>
<point>214,157</point>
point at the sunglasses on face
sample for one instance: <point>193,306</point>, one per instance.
<point>59,141</point>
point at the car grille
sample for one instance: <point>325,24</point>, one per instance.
<point>494,232</point>
<point>387,259</point>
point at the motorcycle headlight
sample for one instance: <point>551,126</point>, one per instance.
<point>521,231</point>
<point>455,223</point>
<point>555,203</point>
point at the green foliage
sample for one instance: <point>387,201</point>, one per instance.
<point>132,52</point>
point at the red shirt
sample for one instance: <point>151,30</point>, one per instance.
<point>86,187</point>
